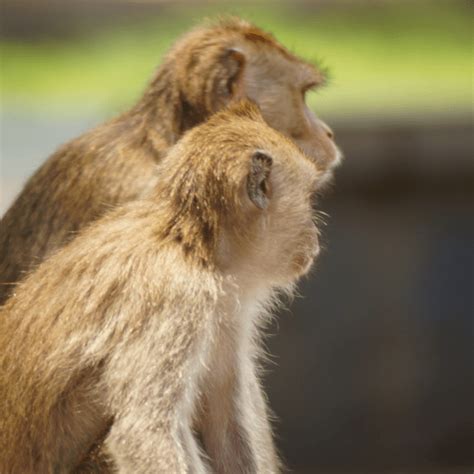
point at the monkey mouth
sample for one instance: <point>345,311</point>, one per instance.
<point>338,158</point>
<point>326,159</point>
<point>332,159</point>
<point>326,179</point>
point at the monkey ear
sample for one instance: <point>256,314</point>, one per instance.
<point>232,86</point>
<point>258,182</point>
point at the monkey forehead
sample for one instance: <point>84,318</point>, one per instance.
<point>260,46</point>
<point>265,47</point>
<point>227,142</point>
<point>283,68</point>
<point>262,40</point>
<point>289,160</point>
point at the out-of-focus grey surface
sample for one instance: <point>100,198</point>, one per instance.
<point>373,363</point>
<point>26,141</point>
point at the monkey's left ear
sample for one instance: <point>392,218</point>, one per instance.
<point>258,180</point>
<point>232,86</point>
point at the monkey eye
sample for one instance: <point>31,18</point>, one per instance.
<point>308,88</point>
<point>314,197</point>
<point>297,134</point>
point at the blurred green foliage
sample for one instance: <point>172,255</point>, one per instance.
<point>407,58</point>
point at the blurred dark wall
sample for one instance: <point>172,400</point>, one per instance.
<point>374,362</point>
<point>45,19</point>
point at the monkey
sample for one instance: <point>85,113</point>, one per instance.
<point>115,163</point>
<point>142,335</point>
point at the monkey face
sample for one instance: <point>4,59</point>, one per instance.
<point>278,84</point>
<point>306,250</point>
<point>290,237</point>
<point>278,227</point>
<point>247,62</point>
<point>242,194</point>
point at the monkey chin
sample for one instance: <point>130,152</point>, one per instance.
<point>304,260</point>
<point>326,172</point>
<point>326,182</point>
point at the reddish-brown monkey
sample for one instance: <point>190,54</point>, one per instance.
<point>115,162</point>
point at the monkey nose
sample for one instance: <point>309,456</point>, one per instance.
<point>316,246</point>
<point>326,129</point>
<point>329,132</point>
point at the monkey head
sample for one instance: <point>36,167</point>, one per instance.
<point>241,197</point>
<point>214,65</point>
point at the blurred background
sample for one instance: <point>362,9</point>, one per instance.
<point>373,364</point>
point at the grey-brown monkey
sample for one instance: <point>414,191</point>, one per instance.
<point>145,329</point>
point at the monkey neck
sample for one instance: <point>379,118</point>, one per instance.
<point>164,109</point>
<point>156,110</point>
<point>191,229</point>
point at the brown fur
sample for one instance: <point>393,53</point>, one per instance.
<point>115,163</point>
<point>143,330</point>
